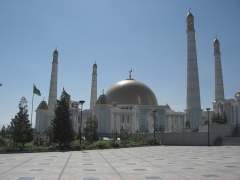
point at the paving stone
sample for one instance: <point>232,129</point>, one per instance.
<point>149,163</point>
<point>25,178</point>
<point>91,178</point>
<point>210,175</point>
<point>152,178</point>
<point>36,169</point>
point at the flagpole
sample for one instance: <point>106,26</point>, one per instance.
<point>32,108</point>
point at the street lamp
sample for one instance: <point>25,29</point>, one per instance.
<point>80,123</point>
<point>208,111</point>
<point>154,126</point>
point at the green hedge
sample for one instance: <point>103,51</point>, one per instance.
<point>131,141</point>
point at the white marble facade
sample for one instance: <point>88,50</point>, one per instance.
<point>133,106</point>
<point>135,118</point>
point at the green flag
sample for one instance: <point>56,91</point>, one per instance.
<point>36,91</point>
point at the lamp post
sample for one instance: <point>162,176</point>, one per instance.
<point>208,111</point>
<point>80,123</point>
<point>154,126</point>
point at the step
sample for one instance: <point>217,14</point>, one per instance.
<point>231,141</point>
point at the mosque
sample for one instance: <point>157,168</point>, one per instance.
<point>132,105</point>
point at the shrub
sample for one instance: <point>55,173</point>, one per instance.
<point>115,144</point>
<point>103,144</point>
<point>99,145</point>
<point>218,141</point>
<point>124,136</point>
<point>152,142</point>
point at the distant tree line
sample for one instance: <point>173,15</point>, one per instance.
<point>20,131</point>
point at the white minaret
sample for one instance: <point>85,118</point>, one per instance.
<point>52,99</point>
<point>193,111</point>
<point>219,88</point>
<point>93,88</point>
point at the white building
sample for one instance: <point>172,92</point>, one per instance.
<point>131,105</point>
<point>221,105</point>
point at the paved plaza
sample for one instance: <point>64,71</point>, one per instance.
<point>149,163</point>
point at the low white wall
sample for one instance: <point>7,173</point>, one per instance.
<point>196,138</point>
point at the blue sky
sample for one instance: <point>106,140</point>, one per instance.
<point>146,35</point>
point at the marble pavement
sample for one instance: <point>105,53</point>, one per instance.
<point>143,163</point>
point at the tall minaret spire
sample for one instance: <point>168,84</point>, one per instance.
<point>219,88</point>
<point>52,99</point>
<point>93,88</point>
<point>193,111</point>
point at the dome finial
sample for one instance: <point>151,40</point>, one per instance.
<point>95,64</point>
<point>216,39</point>
<point>130,74</point>
<point>189,12</point>
<point>55,50</point>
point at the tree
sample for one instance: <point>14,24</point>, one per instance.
<point>90,130</point>
<point>8,131</point>
<point>3,131</point>
<point>21,130</point>
<point>61,124</point>
<point>50,135</point>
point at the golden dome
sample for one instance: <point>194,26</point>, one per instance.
<point>131,92</point>
<point>102,99</point>
<point>237,95</point>
<point>43,106</point>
